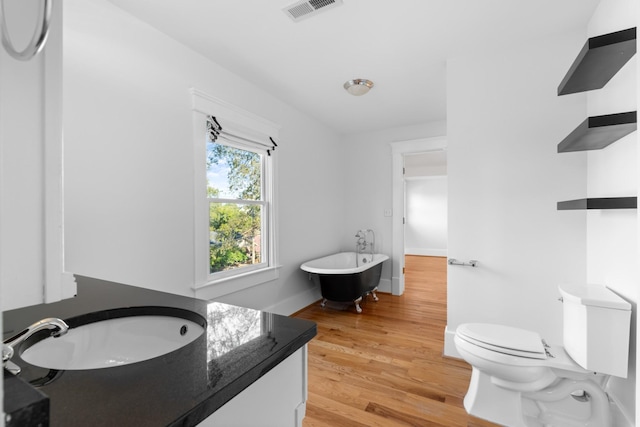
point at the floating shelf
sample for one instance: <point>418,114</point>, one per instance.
<point>599,131</point>
<point>598,61</point>
<point>600,203</point>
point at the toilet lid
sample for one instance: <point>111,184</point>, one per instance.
<point>503,339</point>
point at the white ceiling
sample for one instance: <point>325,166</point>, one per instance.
<point>401,45</point>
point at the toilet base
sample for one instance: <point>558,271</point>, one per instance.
<point>486,400</point>
<point>558,408</point>
<point>550,407</point>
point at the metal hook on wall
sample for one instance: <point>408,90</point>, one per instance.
<point>39,37</point>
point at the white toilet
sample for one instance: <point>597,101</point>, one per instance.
<point>518,380</point>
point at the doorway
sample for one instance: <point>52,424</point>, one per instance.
<point>426,157</point>
<point>425,228</point>
<point>425,212</point>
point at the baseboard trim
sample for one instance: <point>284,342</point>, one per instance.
<point>385,286</point>
<point>295,302</point>
<point>300,413</point>
<point>395,285</point>
<point>449,344</point>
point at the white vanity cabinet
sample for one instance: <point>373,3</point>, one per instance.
<point>277,399</point>
<point>31,214</point>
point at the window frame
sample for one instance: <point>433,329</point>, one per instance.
<point>265,213</point>
<point>240,122</point>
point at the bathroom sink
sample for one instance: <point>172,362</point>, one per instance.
<point>128,338</point>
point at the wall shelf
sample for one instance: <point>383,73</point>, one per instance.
<point>599,131</point>
<point>598,61</point>
<point>600,203</point>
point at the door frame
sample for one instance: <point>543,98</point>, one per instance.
<point>398,151</point>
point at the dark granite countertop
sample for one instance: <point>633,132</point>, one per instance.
<point>180,388</point>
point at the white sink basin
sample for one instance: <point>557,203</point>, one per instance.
<point>113,342</point>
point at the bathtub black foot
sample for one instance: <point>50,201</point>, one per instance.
<point>373,293</point>
<point>323,303</point>
<point>357,303</point>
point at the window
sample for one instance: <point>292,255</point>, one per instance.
<point>235,197</point>
<point>236,208</point>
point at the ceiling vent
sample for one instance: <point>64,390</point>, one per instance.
<point>308,8</point>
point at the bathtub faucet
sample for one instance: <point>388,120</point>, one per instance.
<point>373,240</point>
<point>363,241</point>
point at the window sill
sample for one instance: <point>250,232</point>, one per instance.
<point>229,285</point>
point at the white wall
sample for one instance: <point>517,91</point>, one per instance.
<point>426,216</point>
<point>505,178</point>
<point>612,236</point>
<point>368,186</point>
<point>129,160</point>
<point>31,238</point>
<point>21,169</point>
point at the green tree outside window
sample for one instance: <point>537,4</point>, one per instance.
<point>234,190</point>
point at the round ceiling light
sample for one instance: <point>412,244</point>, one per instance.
<point>358,87</point>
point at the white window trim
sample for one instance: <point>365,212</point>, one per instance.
<point>204,105</point>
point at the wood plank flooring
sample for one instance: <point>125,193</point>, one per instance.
<point>385,367</point>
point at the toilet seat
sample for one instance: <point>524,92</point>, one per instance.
<point>504,339</point>
<point>514,347</point>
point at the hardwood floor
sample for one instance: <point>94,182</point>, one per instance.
<point>385,367</point>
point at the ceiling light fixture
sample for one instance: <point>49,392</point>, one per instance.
<point>358,87</point>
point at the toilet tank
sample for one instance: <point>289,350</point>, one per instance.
<point>596,324</point>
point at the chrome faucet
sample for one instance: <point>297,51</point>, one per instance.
<point>361,243</point>
<point>57,326</point>
<point>373,240</point>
